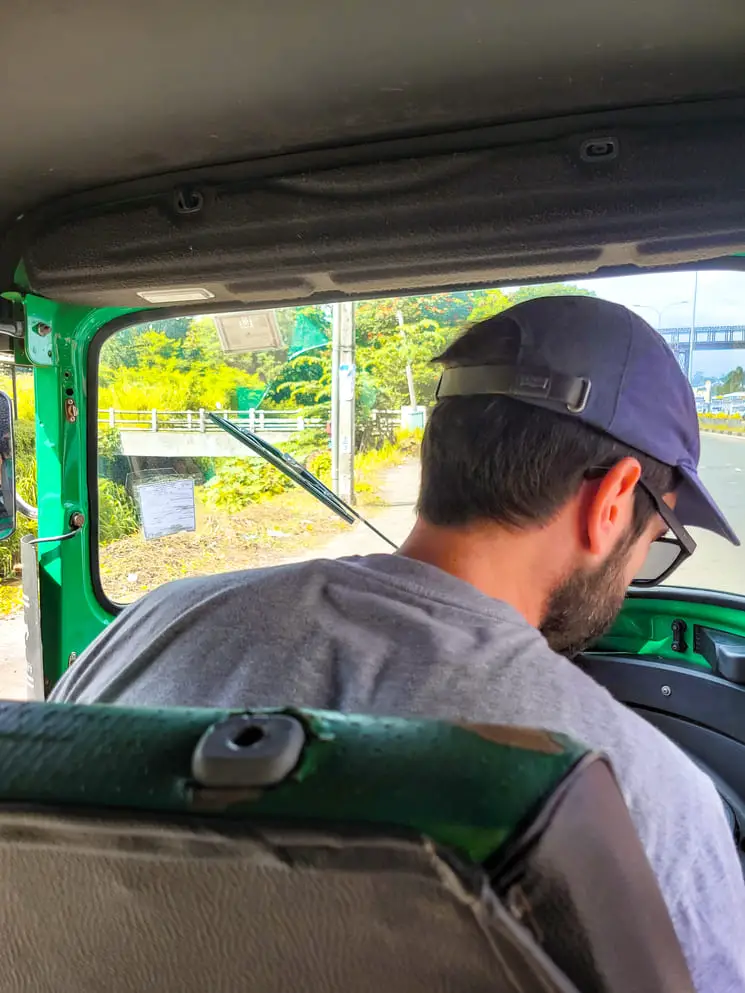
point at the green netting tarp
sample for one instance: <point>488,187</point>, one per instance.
<point>305,335</point>
<point>247,399</point>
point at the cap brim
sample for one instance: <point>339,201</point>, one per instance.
<point>695,507</point>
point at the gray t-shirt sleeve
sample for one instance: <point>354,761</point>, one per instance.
<point>704,885</point>
<point>690,845</point>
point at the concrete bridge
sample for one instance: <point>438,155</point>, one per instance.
<point>707,338</point>
<point>191,433</point>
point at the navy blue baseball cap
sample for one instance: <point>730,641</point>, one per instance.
<point>601,363</point>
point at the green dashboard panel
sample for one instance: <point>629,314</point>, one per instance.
<point>645,625</point>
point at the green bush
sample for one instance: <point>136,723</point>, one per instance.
<point>117,512</point>
<point>320,465</point>
<point>307,443</point>
<point>10,549</point>
<point>112,463</point>
<point>409,441</point>
<point>239,482</point>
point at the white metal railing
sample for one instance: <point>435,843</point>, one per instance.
<point>198,420</point>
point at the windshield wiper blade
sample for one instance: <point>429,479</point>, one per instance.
<point>297,473</point>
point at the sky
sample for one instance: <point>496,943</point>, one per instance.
<point>666,300</point>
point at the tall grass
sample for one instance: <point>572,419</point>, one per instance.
<point>10,549</point>
<point>117,513</point>
<point>24,391</point>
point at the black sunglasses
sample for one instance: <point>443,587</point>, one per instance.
<point>665,554</point>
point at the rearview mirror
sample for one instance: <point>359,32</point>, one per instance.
<point>7,469</point>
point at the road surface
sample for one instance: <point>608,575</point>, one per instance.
<point>12,658</point>
<point>716,564</point>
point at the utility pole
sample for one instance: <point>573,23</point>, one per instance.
<point>692,345</point>
<point>409,372</point>
<point>342,401</point>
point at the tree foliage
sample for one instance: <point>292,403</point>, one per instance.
<point>524,293</point>
<point>487,304</point>
<point>734,381</point>
<point>178,364</point>
<point>157,370</point>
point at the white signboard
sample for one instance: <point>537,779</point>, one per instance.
<point>167,507</point>
<point>249,331</point>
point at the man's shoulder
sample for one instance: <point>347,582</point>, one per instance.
<point>385,577</point>
<point>244,582</point>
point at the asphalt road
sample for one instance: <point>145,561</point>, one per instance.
<point>717,565</point>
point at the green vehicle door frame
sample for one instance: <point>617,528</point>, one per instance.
<point>59,338</point>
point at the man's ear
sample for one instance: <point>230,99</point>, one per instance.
<point>609,506</point>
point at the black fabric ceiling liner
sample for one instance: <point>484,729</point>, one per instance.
<point>644,188</point>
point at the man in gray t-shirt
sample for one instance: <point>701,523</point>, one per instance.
<point>564,444</point>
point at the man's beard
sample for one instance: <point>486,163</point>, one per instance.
<point>584,604</point>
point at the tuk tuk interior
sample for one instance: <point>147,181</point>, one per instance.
<point>160,157</point>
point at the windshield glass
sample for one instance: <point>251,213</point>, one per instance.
<point>179,495</point>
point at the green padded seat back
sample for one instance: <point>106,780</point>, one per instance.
<point>187,850</point>
<point>467,788</point>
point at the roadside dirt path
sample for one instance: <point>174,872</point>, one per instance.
<point>12,658</point>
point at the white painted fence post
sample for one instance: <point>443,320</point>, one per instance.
<point>154,420</point>
<point>202,421</point>
<point>188,420</point>
<point>252,420</point>
<point>112,417</point>
<point>261,420</point>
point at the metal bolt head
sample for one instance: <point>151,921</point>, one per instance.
<point>666,691</point>
<point>77,520</point>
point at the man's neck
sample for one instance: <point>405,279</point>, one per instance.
<point>505,565</point>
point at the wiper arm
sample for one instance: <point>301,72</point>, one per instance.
<point>297,473</point>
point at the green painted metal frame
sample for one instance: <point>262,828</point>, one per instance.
<point>71,613</point>
<point>58,337</point>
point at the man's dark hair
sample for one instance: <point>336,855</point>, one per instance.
<point>500,459</point>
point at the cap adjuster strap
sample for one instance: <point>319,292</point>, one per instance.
<point>521,382</point>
